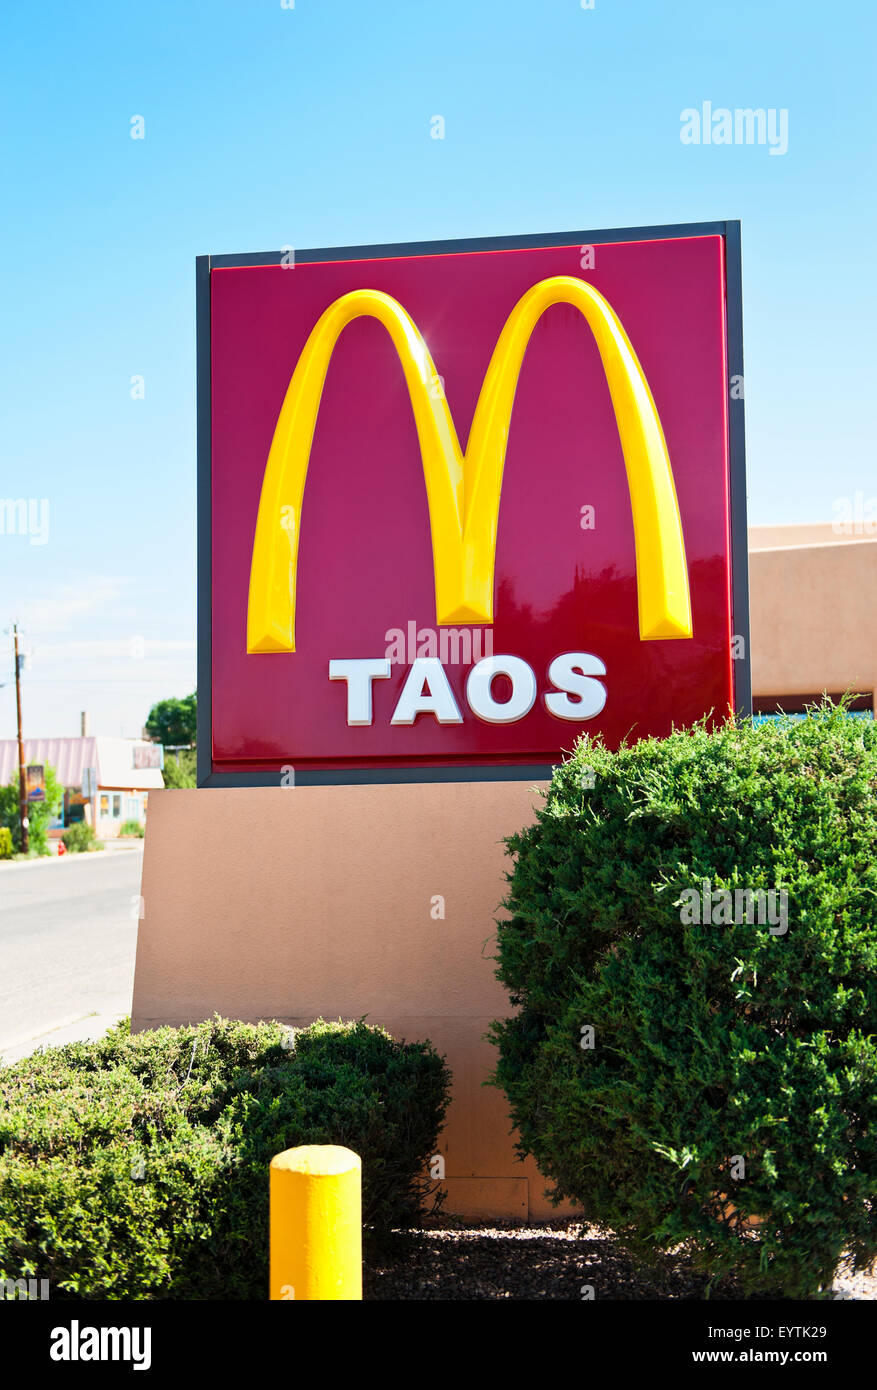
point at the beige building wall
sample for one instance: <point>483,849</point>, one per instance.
<point>813,611</point>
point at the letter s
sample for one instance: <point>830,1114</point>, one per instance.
<point>573,674</point>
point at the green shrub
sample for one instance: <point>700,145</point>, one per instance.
<point>80,838</point>
<point>137,1167</point>
<point>132,827</point>
<point>6,850</point>
<point>713,1042</point>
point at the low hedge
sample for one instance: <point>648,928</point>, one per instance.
<point>727,1096</point>
<point>137,1166</point>
<point>81,838</point>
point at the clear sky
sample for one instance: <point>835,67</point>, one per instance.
<point>310,126</point>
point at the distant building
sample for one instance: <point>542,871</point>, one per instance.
<point>106,781</point>
<point>813,606</point>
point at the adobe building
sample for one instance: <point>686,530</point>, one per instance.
<point>813,613</point>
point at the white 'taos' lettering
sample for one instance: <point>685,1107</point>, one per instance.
<point>437,698</point>
<point>479,689</point>
<point>576,694</point>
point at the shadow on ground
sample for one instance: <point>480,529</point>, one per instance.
<point>453,1260</point>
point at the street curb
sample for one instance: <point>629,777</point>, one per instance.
<point>85,1028</point>
<point>7,864</point>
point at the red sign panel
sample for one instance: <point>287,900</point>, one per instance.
<point>463,506</point>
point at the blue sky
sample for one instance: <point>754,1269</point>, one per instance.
<point>267,126</point>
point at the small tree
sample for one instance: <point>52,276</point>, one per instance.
<point>180,768</point>
<point>173,722</point>
<point>39,813</point>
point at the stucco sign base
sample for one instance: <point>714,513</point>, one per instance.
<point>300,902</point>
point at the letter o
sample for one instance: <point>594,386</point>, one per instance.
<point>480,695</point>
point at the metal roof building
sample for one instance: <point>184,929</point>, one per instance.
<point>124,777</point>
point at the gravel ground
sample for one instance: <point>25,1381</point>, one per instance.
<point>451,1259</point>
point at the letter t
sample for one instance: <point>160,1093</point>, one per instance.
<point>359,674</point>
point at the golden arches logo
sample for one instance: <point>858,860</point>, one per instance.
<point>463,490</point>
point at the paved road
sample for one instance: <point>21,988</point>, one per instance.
<point>68,932</point>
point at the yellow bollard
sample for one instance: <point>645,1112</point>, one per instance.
<point>316,1223</point>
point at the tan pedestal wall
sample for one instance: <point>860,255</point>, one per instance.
<point>296,903</point>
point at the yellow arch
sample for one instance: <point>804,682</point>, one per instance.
<point>463,491</point>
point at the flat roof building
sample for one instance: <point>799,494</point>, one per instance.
<point>813,612</point>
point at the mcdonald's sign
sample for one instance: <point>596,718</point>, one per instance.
<point>460,502</point>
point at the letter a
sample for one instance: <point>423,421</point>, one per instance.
<point>690,132</point>
<point>427,691</point>
<point>60,1346</point>
<point>690,913</point>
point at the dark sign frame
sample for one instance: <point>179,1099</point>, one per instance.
<point>729,231</point>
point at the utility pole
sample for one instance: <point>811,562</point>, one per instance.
<point>22,776</point>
